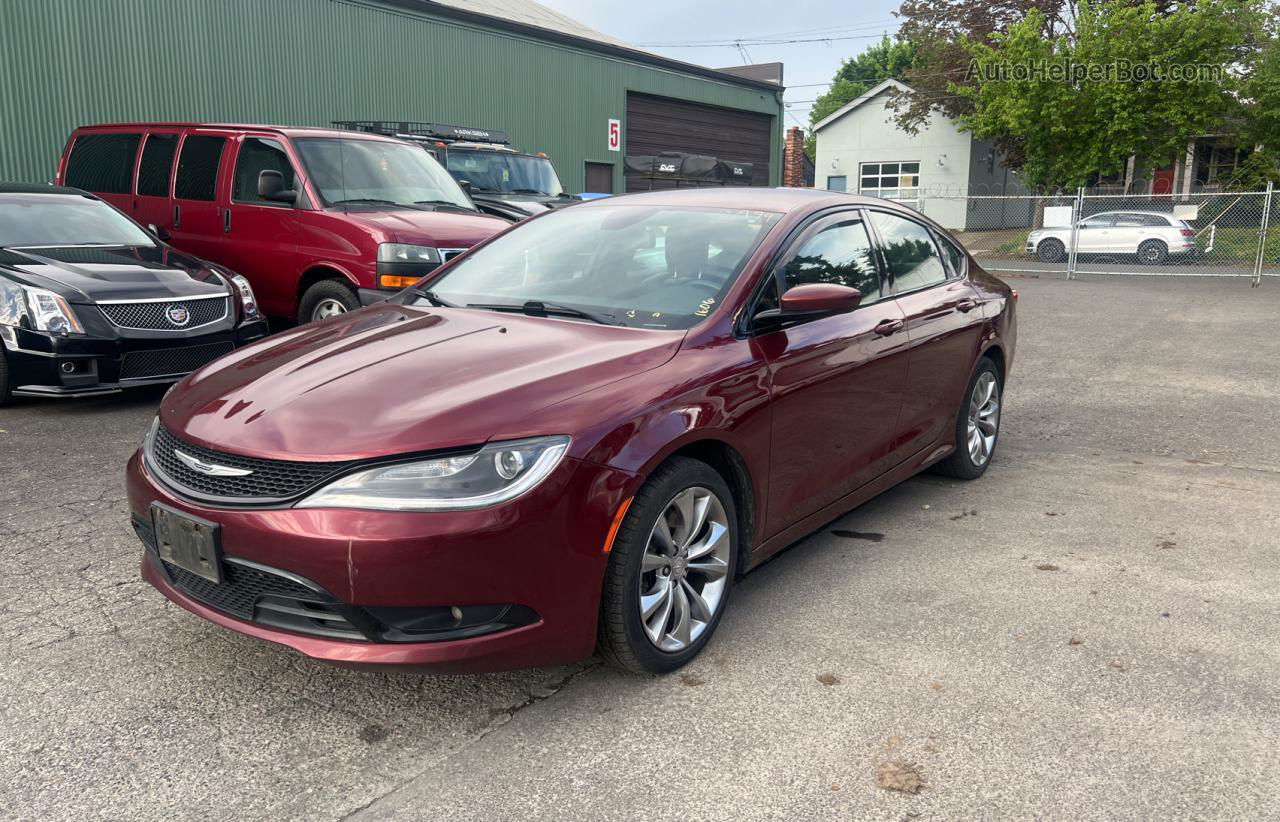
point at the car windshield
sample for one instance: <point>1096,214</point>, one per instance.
<point>375,172</point>
<point>505,172</point>
<point>47,220</point>
<point>632,265</point>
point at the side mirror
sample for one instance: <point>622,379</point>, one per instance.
<point>465,185</point>
<point>160,232</point>
<point>271,187</point>
<point>812,300</point>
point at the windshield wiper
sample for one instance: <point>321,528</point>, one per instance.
<point>538,308</point>
<point>529,191</point>
<point>433,298</point>
<point>375,201</point>
<point>444,204</point>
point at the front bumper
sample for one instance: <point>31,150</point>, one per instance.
<point>542,552</point>
<point>46,365</point>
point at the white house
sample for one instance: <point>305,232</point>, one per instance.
<point>861,150</point>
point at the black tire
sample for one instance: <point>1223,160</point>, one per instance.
<point>1153,252</point>
<point>326,292</point>
<point>6,390</point>
<point>961,464</point>
<point>621,640</point>
<point>1051,250</point>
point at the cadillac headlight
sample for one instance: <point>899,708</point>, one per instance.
<point>498,472</point>
<point>247,301</point>
<point>399,253</point>
<point>50,312</point>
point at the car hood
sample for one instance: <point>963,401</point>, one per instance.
<point>84,274</point>
<point>444,228</point>
<point>394,379</point>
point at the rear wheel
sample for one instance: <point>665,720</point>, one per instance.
<point>6,392</point>
<point>1153,252</point>
<point>670,569</point>
<point>325,299</point>
<point>977,425</point>
<point>1051,250</point>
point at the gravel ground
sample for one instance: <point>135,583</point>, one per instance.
<point>1080,634</point>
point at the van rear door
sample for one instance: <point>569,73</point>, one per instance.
<point>199,190</point>
<point>153,203</point>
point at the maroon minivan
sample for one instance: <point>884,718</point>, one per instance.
<point>319,221</point>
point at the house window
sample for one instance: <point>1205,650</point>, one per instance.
<point>837,183</point>
<point>1223,162</point>
<point>892,181</point>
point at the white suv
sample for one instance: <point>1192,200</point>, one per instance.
<point>1150,235</point>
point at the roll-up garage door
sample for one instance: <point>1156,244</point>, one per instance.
<point>658,124</point>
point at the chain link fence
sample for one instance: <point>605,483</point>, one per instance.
<point>1201,234</point>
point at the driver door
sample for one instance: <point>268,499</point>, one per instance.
<point>836,382</point>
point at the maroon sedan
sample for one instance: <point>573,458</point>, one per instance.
<point>577,435</point>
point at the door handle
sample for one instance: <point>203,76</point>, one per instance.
<point>177,216</point>
<point>226,221</point>
<point>888,327</point>
<point>966,305</point>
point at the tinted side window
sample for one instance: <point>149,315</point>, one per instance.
<point>1099,222</point>
<point>198,168</point>
<point>910,253</point>
<point>839,253</point>
<point>955,257</point>
<point>256,156</point>
<point>157,165</point>
<point>103,163</point>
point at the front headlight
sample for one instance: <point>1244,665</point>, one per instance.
<point>499,472</point>
<point>398,253</point>
<point>50,312</point>
<point>247,301</point>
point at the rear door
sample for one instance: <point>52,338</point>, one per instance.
<point>199,190</point>
<point>836,382</point>
<point>153,203</point>
<point>262,235</point>
<point>943,326</point>
<point>103,163</point>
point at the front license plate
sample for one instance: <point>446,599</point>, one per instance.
<point>188,542</point>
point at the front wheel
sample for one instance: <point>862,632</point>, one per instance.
<point>325,299</point>
<point>977,425</point>
<point>670,570</point>
<point>1051,251</point>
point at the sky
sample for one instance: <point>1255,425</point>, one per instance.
<point>808,66</point>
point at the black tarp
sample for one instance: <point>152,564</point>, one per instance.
<point>675,165</point>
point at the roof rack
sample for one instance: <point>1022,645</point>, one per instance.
<point>425,132</point>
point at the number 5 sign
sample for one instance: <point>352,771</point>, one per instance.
<point>615,135</point>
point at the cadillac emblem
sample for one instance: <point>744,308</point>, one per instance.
<point>177,315</point>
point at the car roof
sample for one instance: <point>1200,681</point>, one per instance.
<point>289,131</point>
<point>751,198</point>
<point>39,188</point>
<point>1164,214</point>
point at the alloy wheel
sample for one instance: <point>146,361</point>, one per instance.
<point>984,418</point>
<point>327,308</point>
<point>684,571</point>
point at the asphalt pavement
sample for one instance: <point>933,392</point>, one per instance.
<point>1083,633</point>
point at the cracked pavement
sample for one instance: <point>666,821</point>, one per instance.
<point>1083,633</point>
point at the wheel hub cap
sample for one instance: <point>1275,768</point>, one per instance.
<point>684,570</point>
<point>328,308</point>
<point>984,418</point>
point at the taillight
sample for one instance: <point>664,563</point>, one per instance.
<point>1015,295</point>
<point>1186,232</point>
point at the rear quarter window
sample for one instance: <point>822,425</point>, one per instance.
<point>103,163</point>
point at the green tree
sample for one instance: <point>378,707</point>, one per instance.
<point>857,75</point>
<point>1063,128</point>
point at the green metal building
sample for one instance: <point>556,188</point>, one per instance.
<point>519,67</point>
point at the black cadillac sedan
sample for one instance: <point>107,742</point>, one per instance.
<point>91,303</point>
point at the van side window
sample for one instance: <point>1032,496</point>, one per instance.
<point>910,251</point>
<point>198,168</point>
<point>103,163</point>
<point>256,156</point>
<point>157,165</point>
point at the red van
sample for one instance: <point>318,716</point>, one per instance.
<point>319,221</point>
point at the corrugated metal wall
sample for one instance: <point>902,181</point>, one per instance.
<point>65,63</point>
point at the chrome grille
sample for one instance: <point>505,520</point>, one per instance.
<point>268,480</point>
<point>167,316</point>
